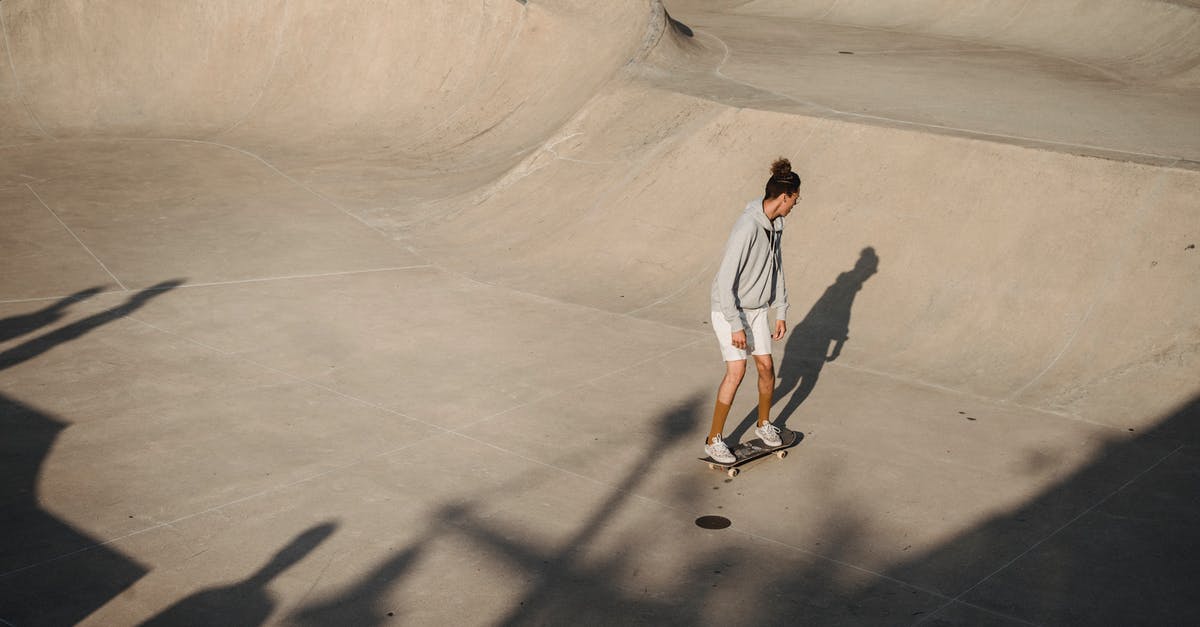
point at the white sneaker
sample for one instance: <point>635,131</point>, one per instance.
<point>718,451</point>
<point>769,434</point>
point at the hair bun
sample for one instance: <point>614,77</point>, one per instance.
<point>781,168</point>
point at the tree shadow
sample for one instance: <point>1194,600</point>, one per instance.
<point>817,339</point>
<point>247,602</point>
<point>1114,543</point>
<point>34,588</point>
<point>561,584</point>
<point>31,538</point>
<point>564,583</point>
<point>364,603</point>
<point>1130,561</point>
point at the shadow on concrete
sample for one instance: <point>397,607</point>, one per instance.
<point>32,540</point>
<point>563,584</point>
<point>39,345</point>
<point>680,27</point>
<point>365,603</point>
<point>16,326</point>
<point>1115,543</point>
<point>247,602</point>
<point>36,586</point>
<point>817,339</point>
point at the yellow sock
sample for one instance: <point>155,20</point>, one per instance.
<point>764,408</point>
<point>720,413</point>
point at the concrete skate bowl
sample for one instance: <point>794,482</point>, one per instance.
<point>1050,246</point>
<point>999,211</point>
<point>417,87</point>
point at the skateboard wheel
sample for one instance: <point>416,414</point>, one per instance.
<point>713,466</point>
<point>733,472</point>
<point>782,454</point>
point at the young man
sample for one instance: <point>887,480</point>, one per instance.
<point>749,283</point>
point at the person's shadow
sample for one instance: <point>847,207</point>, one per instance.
<point>19,325</point>
<point>247,602</point>
<point>817,339</point>
<point>35,347</point>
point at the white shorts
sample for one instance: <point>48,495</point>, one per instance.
<point>758,334</point>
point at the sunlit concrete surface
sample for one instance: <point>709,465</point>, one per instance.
<point>394,313</point>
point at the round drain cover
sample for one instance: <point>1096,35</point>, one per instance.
<point>713,522</point>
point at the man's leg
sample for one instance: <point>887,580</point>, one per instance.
<point>734,371</point>
<point>766,386</point>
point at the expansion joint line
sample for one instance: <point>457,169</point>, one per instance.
<point>68,229</point>
<point>438,430</point>
<point>1052,534</point>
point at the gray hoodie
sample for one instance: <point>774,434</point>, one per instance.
<point>751,273</point>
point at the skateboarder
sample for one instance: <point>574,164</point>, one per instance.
<point>748,284</point>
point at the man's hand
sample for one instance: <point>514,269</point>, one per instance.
<point>780,329</point>
<point>739,339</point>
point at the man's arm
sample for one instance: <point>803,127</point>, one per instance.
<point>737,250</point>
<point>780,303</point>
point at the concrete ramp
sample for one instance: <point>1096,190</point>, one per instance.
<point>393,312</point>
<point>1004,271</point>
<point>421,78</point>
<point>1143,40</point>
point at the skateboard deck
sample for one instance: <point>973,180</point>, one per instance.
<point>751,450</point>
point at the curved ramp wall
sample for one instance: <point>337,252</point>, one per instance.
<point>485,78</point>
<point>1050,280</point>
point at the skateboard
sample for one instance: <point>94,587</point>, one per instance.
<point>749,451</point>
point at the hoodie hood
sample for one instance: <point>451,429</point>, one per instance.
<point>755,209</point>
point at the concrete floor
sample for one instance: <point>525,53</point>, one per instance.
<point>459,373</point>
